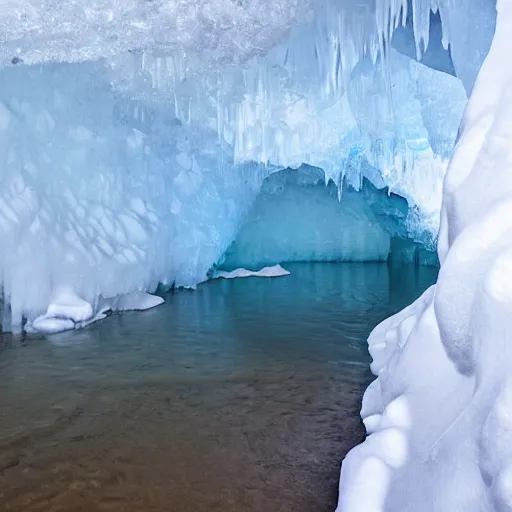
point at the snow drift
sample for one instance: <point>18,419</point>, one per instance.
<point>438,413</point>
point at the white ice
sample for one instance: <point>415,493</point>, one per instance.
<point>273,271</point>
<point>67,311</point>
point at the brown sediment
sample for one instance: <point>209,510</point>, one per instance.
<point>242,396</point>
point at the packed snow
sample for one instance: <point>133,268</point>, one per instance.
<point>273,271</point>
<point>446,356</point>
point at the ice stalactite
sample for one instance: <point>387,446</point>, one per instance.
<point>134,165</point>
<point>103,197</point>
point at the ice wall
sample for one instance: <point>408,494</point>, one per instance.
<point>438,414</point>
<point>103,196</point>
<point>386,121</point>
<point>135,165</point>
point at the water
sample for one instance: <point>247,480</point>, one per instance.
<point>240,396</point>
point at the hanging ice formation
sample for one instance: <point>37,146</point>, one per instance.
<point>134,136</point>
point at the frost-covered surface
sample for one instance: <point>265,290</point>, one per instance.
<point>273,271</point>
<point>79,30</point>
<point>439,412</point>
<point>297,217</point>
<point>103,196</point>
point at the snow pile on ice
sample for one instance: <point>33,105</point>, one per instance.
<point>438,413</point>
<point>273,271</point>
<point>68,311</point>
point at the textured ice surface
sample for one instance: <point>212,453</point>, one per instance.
<point>103,196</point>
<point>307,100</point>
<point>297,217</point>
<point>78,30</point>
<point>135,165</point>
<point>447,356</point>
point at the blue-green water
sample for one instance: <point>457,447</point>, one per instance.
<point>240,396</point>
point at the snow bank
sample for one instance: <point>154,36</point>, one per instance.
<point>273,271</point>
<point>446,358</point>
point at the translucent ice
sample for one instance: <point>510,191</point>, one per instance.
<point>297,217</point>
<point>135,165</point>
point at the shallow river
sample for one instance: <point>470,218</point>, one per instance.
<point>240,396</point>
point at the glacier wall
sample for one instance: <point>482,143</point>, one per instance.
<point>135,136</point>
<point>439,413</point>
<point>102,195</point>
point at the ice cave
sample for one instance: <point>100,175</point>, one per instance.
<point>151,151</point>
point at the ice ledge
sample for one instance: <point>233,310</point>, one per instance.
<point>35,31</point>
<point>68,311</point>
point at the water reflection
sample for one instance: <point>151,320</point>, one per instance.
<point>242,395</point>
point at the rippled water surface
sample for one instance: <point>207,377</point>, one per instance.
<point>240,396</point>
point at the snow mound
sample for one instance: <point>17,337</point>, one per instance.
<point>443,368</point>
<point>68,311</point>
<point>273,271</point>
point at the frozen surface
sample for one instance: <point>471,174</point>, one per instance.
<point>79,30</point>
<point>438,413</point>
<point>273,271</point>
